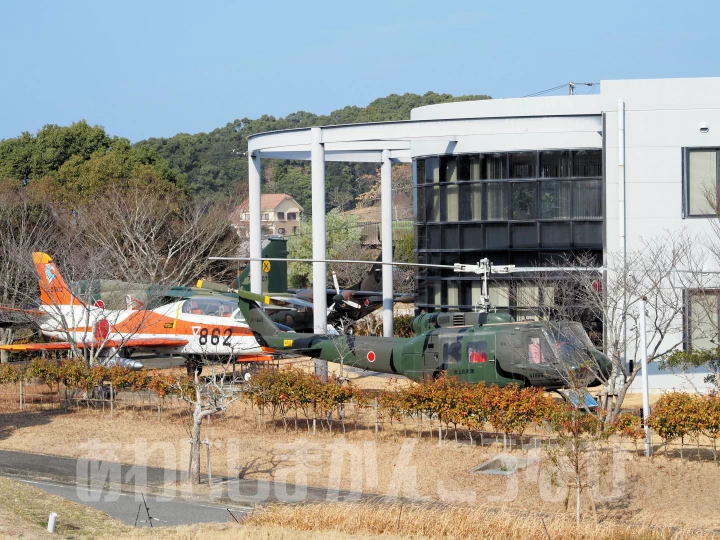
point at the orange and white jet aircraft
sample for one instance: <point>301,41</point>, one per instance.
<point>200,329</point>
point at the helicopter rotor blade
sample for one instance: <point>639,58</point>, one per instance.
<point>335,282</point>
<point>417,265</point>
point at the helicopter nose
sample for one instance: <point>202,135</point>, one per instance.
<point>338,299</point>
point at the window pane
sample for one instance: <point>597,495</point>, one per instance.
<point>522,165</point>
<point>451,237</point>
<point>703,181</point>
<point>555,199</point>
<point>527,296</point>
<point>496,196</point>
<point>587,163</point>
<point>499,295</point>
<point>474,167</point>
<point>451,202</point>
<point>496,237</point>
<point>493,167</point>
<point>524,235</point>
<point>432,170</point>
<point>464,203</point>
<point>420,203</point>
<point>555,164</point>
<point>476,201</point>
<point>449,169</point>
<point>432,203</point>
<point>452,293</point>
<point>524,200</point>
<point>420,174</point>
<point>587,197</point>
<point>555,234</point>
<point>472,237</point>
<point>703,320</point>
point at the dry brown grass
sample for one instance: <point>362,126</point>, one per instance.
<point>24,513</point>
<point>450,521</point>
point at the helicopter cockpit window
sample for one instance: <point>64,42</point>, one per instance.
<point>238,316</point>
<point>477,352</point>
<point>538,349</point>
<point>571,341</point>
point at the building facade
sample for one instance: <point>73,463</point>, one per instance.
<point>280,215</point>
<point>531,182</point>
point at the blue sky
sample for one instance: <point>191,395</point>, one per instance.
<point>157,68</point>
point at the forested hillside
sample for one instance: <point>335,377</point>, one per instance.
<point>77,160</point>
<point>214,165</point>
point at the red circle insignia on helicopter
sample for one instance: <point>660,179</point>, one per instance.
<point>371,356</point>
<point>366,302</point>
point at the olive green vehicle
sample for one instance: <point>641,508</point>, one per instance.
<point>474,347</point>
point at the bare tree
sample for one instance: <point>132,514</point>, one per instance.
<point>607,302</point>
<point>148,235</point>
<point>207,396</point>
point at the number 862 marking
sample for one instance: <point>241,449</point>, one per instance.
<point>215,336</point>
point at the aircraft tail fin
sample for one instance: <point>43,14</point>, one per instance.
<point>373,280</point>
<point>274,277</point>
<point>258,321</point>
<point>53,289</point>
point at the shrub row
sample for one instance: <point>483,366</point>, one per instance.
<point>510,410</point>
<point>679,415</point>
<point>77,374</point>
<point>285,392</point>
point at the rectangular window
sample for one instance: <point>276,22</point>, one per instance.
<point>555,164</point>
<point>432,170</point>
<point>524,200</point>
<point>420,171</point>
<point>494,167</point>
<point>266,217</point>
<point>432,203</point>
<point>420,203</point>
<point>451,204</point>
<point>587,163</point>
<point>468,168</point>
<point>555,199</point>
<point>281,216</point>
<point>449,169</point>
<point>702,186</point>
<point>703,319</point>
<point>587,198</point>
<point>522,165</point>
<point>496,197</point>
<point>292,216</point>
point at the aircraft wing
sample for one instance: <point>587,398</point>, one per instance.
<point>64,345</point>
<point>18,317</point>
<point>288,301</point>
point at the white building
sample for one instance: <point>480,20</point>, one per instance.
<point>523,180</point>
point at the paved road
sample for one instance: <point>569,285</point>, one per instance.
<point>124,506</point>
<point>130,479</point>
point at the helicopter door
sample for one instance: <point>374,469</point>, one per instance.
<point>512,357</point>
<point>432,356</point>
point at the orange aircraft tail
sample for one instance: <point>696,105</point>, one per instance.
<point>53,289</point>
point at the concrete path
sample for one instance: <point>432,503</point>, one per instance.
<point>107,479</point>
<point>129,507</point>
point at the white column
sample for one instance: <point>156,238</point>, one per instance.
<point>387,243</point>
<point>255,224</point>
<point>317,161</point>
<point>645,384</point>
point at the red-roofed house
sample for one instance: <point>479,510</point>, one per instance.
<point>281,214</point>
